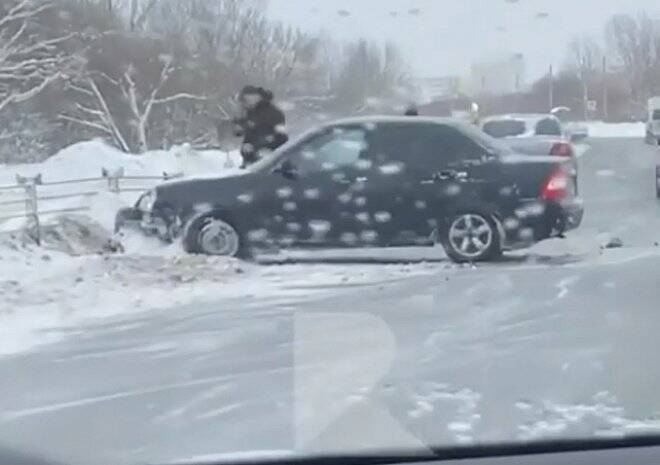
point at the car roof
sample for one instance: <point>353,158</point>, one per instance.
<point>375,119</point>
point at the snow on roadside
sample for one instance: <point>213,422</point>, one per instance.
<point>88,159</point>
<point>605,130</point>
<point>73,280</point>
<point>43,290</point>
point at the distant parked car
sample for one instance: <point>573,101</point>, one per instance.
<point>653,122</point>
<point>534,134</point>
<point>376,181</point>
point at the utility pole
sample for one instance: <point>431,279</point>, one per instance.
<point>585,95</point>
<point>551,89</point>
<point>605,93</point>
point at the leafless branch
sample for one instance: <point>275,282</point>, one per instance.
<point>181,96</point>
<point>89,124</point>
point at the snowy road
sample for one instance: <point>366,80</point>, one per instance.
<point>532,347</point>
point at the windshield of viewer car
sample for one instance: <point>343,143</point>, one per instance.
<point>234,230</point>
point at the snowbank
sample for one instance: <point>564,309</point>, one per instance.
<point>72,277</point>
<point>601,129</point>
<point>88,160</point>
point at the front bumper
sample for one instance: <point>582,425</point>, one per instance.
<point>146,222</point>
<point>537,220</point>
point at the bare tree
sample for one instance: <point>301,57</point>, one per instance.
<point>139,13</point>
<point>585,57</point>
<point>237,34</point>
<point>133,96</point>
<point>29,61</point>
<point>585,54</point>
<point>635,42</point>
<point>367,70</point>
<point>96,114</point>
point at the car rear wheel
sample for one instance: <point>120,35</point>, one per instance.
<point>472,237</point>
<point>212,235</point>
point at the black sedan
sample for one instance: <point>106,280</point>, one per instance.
<point>372,182</point>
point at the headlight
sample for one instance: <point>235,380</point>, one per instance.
<point>147,201</point>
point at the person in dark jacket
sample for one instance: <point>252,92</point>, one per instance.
<point>412,110</point>
<point>262,124</point>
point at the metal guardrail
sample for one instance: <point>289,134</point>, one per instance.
<point>28,188</point>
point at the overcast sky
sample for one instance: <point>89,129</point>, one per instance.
<point>446,36</point>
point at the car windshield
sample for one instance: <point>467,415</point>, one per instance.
<point>234,230</point>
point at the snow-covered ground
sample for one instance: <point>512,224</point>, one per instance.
<point>43,289</point>
<point>600,129</point>
<point>154,357</point>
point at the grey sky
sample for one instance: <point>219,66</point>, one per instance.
<point>447,35</point>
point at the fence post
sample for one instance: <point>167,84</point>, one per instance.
<point>31,205</point>
<point>169,176</point>
<point>113,179</point>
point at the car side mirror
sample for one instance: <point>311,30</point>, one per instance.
<point>287,169</point>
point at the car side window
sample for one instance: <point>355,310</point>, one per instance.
<point>331,150</point>
<point>457,148</point>
<point>419,148</point>
<point>548,127</point>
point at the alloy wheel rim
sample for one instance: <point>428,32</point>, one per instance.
<point>470,235</point>
<point>219,238</point>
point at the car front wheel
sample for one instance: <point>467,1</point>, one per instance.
<point>212,235</point>
<point>472,237</point>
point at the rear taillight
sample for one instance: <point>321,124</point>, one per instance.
<point>562,149</point>
<point>557,186</point>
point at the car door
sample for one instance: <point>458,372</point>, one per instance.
<point>383,197</point>
<point>428,170</point>
<point>316,176</point>
<point>468,173</point>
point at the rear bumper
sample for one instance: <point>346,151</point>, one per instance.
<point>535,221</point>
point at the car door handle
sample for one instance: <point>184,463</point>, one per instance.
<point>450,174</point>
<point>440,176</point>
<point>445,175</point>
<point>361,179</point>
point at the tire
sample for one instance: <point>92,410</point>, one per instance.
<point>210,234</point>
<point>471,237</point>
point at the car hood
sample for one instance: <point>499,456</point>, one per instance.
<point>224,188</point>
